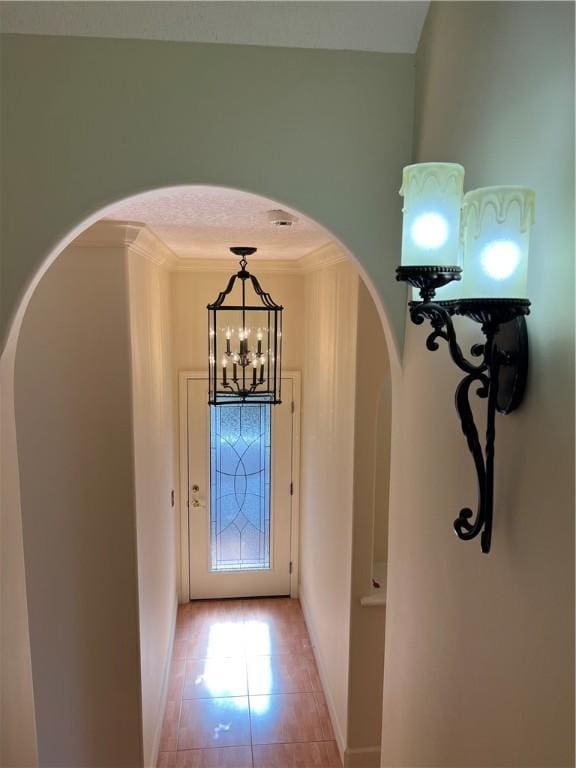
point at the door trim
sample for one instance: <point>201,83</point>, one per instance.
<point>183,532</point>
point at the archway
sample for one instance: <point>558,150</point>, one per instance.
<point>10,465</point>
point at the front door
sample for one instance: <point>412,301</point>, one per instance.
<point>240,492</point>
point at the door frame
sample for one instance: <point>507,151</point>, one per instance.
<point>183,544</point>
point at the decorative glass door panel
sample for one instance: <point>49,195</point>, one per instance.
<point>240,486</point>
<point>238,466</point>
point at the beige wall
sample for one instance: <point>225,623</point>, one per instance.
<point>327,473</point>
<point>152,395</point>
<point>74,433</point>
<point>382,467</point>
<point>18,727</point>
<point>371,431</point>
<point>479,648</point>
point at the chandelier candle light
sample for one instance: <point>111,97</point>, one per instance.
<point>483,235</point>
<point>247,331</point>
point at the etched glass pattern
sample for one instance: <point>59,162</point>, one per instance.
<point>240,487</point>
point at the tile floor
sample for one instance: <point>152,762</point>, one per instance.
<point>244,690</point>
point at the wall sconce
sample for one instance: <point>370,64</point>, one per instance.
<point>484,238</point>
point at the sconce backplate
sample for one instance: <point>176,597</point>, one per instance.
<point>512,342</point>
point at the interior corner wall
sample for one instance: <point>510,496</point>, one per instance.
<point>327,454</point>
<point>371,470</point>
<point>75,455</point>
<point>479,653</point>
<point>152,397</point>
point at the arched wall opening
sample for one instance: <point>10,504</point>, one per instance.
<point>112,414</point>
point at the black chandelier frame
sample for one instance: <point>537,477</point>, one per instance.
<point>230,390</point>
<point>500,374</point>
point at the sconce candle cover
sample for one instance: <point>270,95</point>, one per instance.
<point>496,225</point>
<point>432,201</point>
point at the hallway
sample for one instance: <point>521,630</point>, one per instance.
<point>244,690</point>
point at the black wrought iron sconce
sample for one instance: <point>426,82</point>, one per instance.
<point>488,230</point>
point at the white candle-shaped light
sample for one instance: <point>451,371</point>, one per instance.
<point>496,224</point>
<point>432,201</point>
<point>224,362</point>
<point>228,337</point>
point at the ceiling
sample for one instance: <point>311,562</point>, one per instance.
<point>203,222</point>
<point>379,25</point>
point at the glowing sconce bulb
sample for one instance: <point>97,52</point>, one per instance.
<point>496,224</point>
<point>432,195</point>
<point>500,259</point>
<point>430,231</point>
<point>228,333</point>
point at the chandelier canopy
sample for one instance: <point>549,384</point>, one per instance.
<point>244,341</point>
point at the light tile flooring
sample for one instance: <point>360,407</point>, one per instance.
<point>244,690</point>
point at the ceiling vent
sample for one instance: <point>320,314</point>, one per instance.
<point>281,218</point>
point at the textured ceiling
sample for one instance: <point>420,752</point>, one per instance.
<point>388,27</point>
<point>203,222</point>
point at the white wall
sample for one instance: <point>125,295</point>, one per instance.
<point>75,452</point>
<point>372,426</point>
<point>329,373</point>
<point>480,648</point>
<point>152,398</point>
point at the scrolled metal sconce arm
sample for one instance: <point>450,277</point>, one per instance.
<point>500,375</point>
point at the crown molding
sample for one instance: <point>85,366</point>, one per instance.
<point>322,257</point>
<point>136,237</point>
<point>286,266</point>
<point>325,256</point>
<point>132,235</point>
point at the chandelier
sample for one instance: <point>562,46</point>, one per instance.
<point>244,341</point>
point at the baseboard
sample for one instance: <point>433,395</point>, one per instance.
<point>164,693</point>
<point>362,757</point>
<point>340,740</point>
